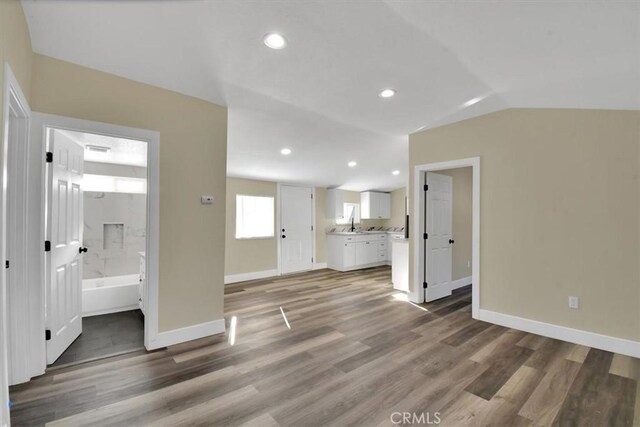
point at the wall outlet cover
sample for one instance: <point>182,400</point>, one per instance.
<point>206,200</point>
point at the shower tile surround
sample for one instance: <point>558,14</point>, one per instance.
<point>114,226</point>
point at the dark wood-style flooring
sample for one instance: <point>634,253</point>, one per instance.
<point>106,335</point>
<point>355,354</point>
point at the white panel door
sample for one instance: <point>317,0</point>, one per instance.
<point>439,229</point>
<point>64,227</point>
<point>296,229</point>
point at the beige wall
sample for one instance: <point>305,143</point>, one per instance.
<point>462,218</point>
<point>321,224</point>
<point>254,255</point>
<point>248,255</point>
<point>193,138</point>
<point>559,212</point>
<point>397,209</point>
<point>15,45</point>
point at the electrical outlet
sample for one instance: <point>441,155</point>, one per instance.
<point>574,302</point>
<point>206,200</point>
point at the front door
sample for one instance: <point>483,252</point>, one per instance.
<point>296,229</point>
<point>64,230</point>
<point>439,214</point>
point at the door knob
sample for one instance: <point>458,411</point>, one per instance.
<point>451,241</point>
<point>81,250</point>
<point>284,237</point>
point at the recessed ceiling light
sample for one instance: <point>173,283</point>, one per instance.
<point>473,101</point>
<point>285,151</point>
<point>395,173</point>
<point>275,41</point>
<point>352,164</point>
<point>387,93</point>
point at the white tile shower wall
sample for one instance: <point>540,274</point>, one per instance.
<point>113,208</point>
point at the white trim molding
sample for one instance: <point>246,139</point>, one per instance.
<point>416,292</point>
<point>43,121</point>
<point>576,336</point>
<point>189,333</point>
<point>243,277</point>
<point>319,266</point>
<point>459,283</point>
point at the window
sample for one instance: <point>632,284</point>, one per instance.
<point>113,184</point>
<point>350,210</point>
<point>254,217</point>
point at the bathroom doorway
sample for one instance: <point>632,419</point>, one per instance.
<point>104,214</point>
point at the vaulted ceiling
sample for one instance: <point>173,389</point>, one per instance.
<point>319,95</point>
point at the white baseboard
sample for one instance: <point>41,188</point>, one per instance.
<point>461,282</point>
<point>110,310</point>
<point>576,336</point>
<point>189,333</point>
<point>319,266</point>
<point>243,277</point>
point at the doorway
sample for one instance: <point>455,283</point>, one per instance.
<point>43,324</point>
<point>96,222</point>
<point>446,214</point>
<point>296,218</point>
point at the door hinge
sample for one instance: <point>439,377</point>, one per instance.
<point>424,285</point>
<point>312,195</point>
<point>49,157</point>
<point>312,228</point>
<point>425,236</point>
<point>47,246</point>
<point>426,187</point>
<point>47,335</point>
<point>6,264</point>
<point>311,259</point>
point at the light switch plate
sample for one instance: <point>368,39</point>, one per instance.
<point>574,302</point>
<point>206,200</point>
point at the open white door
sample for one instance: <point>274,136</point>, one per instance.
<point>439,219</point>
<point>64,228</point>
<point>296,229</point>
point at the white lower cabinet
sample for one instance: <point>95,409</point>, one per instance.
<point>349,255</point>
<point>352,252</point>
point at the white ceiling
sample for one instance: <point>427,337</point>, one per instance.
<point>319,95</point>
<point>122,151</point>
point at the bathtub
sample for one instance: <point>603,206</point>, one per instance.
<point>110,294</point>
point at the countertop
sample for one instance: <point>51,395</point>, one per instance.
<point>362,233</point>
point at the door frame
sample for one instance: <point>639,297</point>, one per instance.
<point>13,95</point>
<point>279,223</point>
<point>416,291</point>
<point>152,138</point>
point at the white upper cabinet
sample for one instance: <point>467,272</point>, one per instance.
<point>335,203</point>
<point>375,205</point>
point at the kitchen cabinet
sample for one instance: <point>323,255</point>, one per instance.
<point>349,255</point>
<point>354,251</point>
<point>335,203</point>
<point>400,264</point>
<point>375,205</point>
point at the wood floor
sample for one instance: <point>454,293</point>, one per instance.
<point>355,354</point>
